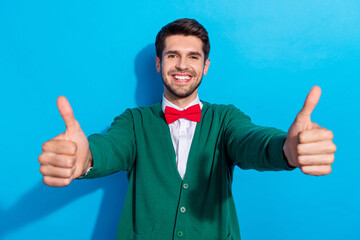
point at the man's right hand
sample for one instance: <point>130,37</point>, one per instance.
<point>66,156</point>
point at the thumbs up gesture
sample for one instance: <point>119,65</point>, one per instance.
<point>309,146</point>
<point>67,156</point>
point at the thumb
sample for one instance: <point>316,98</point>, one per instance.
<point>311,101</point>
<point>66,113</point>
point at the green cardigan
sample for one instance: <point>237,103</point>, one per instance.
<point>159,204</point>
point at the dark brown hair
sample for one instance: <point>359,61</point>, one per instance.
<point>186,27</point>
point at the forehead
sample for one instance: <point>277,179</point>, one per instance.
<point>183,44</point>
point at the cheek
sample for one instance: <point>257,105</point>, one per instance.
<point>200,68</point>
<point>166,67</point>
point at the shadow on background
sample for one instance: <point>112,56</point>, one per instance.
<point>149,87</point>
<point>43,200</point>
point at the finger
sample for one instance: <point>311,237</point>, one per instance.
<point>56,182</point>
<point>66,113</point>
<point>315,135</point>
<point>57,160</point>
<point>60,147</point>
<point>316,170</point>
<point>51,171</point>
<point>321,159</point>
<point>324,147</point>
<point>311,101</point>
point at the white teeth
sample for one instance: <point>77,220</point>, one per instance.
<point>182,77</point>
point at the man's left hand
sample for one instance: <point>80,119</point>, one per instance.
<point>309,146</point>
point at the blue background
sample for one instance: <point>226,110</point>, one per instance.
<point>265,57</point>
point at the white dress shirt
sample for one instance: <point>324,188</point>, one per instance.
<point>182,133</point>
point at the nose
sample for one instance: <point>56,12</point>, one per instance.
<point>181,64</point>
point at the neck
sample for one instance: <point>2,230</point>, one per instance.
<point>181,102</point>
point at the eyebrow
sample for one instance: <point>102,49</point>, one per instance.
<point>178,53</point>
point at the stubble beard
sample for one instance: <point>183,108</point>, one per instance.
<point>180,92</point>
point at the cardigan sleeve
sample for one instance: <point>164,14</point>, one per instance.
<point>253,147</point>
<point>114,150</point>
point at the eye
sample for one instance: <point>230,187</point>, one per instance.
<point>194,57</point>
<point>171,56</point>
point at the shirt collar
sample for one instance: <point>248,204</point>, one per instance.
<point>166,103</point>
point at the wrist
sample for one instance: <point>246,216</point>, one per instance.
<point>287,153</point>
<point>88,164</point>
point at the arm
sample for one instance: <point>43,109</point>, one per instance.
<point>254,147</point>
<point>306,145</point>
<point>114,150</point>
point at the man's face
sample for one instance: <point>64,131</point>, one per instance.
<point>182,66</point>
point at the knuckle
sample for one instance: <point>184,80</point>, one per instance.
<point>73,148</point>
<point>304,169</point>
<point>331,134</point>
<point>42,170</point>
<point>299,149</point>
<point>302,136</point>
<point>70,162</point>
<point>334,148</point>
<point>66,181</point>
<point>41,159</point>
<point>331,147</point>
<point>68,173</point>
<point>327,170</point>
<point>301,160</point>
<point>45,146</point>
<point>46,181</point>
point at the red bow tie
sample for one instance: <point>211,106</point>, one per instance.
<point>193,113</point>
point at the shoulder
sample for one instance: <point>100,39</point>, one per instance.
<point>218,107</point>
<point>154,109</point>
<point>137,114</point>
<point>224,110</point>
<point>143,112</point>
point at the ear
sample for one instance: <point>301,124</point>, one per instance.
<point>206,67</point>
<point>158,64</point>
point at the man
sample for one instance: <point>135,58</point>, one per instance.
<point>180,154</point>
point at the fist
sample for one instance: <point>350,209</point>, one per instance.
<point>309,146</point>
<point>315,151</point>
<point>57,161</point>
<point>67,156</point>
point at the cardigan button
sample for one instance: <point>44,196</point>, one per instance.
<point>182,209</point>
<point>180,234</point>
<point>185,186</point>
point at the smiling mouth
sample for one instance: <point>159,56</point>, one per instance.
<point>181,78</point>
